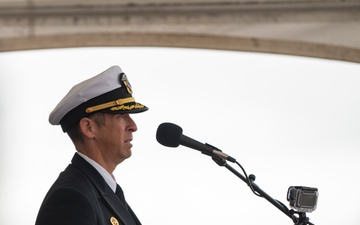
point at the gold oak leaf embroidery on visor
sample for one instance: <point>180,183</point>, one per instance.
<point>127,107</point>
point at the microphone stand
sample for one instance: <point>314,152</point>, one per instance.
<point>301,220</point>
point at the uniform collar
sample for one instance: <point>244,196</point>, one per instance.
<point>104,189</point>
<point>109,179</point>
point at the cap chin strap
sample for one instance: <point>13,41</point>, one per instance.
<point>118,102</point>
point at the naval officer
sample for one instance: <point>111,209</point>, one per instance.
<point>96,116</point>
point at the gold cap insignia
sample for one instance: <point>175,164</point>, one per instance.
<point>114,221</point>
<point>126,82</point>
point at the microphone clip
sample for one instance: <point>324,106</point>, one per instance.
<point>219,160</point>
<point>218,153</point>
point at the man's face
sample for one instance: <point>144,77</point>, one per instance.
<point>114,138</point>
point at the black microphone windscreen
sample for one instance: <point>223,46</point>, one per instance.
<point>169,134</point>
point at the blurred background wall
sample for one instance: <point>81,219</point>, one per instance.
<point>327,29</point>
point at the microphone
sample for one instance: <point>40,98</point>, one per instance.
<point>170,135</point>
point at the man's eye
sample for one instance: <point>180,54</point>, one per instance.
<point>122,116</point>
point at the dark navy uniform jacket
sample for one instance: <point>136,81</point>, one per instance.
<point>80,196</point>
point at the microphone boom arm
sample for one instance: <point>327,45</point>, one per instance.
<point>302,220</point>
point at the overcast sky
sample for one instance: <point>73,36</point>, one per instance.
<point>288,120</point>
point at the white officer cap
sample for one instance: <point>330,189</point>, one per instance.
<point>109,92</point>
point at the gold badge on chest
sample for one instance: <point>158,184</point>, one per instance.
<point>114,221</point>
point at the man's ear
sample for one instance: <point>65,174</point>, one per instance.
<point>87,127</point>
